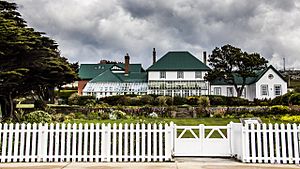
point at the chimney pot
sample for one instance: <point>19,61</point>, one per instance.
<point>204,57</point>
<point>127,64</point>
<point>154,55</point>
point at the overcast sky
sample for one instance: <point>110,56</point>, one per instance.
<point>90,30</point>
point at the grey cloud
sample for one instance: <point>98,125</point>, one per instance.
<point>88,31</point>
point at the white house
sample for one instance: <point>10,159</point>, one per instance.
<point>177,73</point>
<point>267,84</point>
<point>107,79</point>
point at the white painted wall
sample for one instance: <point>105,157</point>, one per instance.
<point>270,82</point>
<point>172,75</point>
<point>224,90</point>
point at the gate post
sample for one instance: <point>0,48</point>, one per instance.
<point>42,142</point>
<point>201,136</point>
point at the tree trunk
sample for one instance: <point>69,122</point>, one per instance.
<point>7,106</point>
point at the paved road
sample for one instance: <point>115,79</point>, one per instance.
<point>180,163</point>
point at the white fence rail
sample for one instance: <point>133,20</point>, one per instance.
<point>88,142</point>
<point>268,143</point>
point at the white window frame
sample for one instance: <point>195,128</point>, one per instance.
<point>180,74</point>
<point>229,93</point>
<point>198,75</point>
<point>163,74</point>
<point>264,90</point>
<point>217,91</point>
<point>280,89</point>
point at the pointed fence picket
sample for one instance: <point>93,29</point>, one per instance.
<point>268,143</point>
<point>87,143</point>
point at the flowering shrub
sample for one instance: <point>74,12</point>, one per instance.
<point>153,115</point>
<point>117,114</point>
<point>295,119</point>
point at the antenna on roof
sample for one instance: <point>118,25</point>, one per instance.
<point>284,64</point>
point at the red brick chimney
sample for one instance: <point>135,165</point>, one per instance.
<point>154,55</point>
<point>127,64</point>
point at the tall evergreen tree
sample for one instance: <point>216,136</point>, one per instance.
<point>30,62</point>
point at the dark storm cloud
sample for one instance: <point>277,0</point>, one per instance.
<point>88,31</point>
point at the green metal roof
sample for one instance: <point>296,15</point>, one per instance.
<point>106,76</point>
<point>90,71</point>
<point>178,60</point>
<point>249,81</point>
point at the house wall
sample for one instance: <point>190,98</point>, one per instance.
<point>172,75</point>
<point>189,85</point>
<point>224,90</point>
<point>276,80</point>
<point>251,93</point>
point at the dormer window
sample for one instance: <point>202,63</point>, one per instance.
<point>180,75</point>
<point>198,74</point>
<point>162,75</point>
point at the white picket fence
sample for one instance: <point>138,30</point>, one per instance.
<point>268,143</point>
<point>87,143</point>
<point>251,143</point>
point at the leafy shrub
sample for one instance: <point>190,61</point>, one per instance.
<point>279,109</point>
<point>203,102</point>
<point>104,115</point>
<point>92,115</point>
<point>87,100</point>
<point>73,99</point>
<point>146,99</point>
<point>179,100</point>
<point>161,100</point>
<point>134,101</point>
<point>38,117</point>
<point>192,100</point>
<point>58,117</point>
<point>236,101</point>
<point>261,102</point>
<point>217,100</point>
<point>295,99</point>
<point>79,115</point>
<point>64,94</point>
<point>218,113</point>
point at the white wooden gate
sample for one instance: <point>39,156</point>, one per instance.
<point>202,140</point>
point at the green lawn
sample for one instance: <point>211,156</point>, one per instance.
<point>184,122</point>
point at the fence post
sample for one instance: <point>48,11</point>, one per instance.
<point>172,138</point>
<point>42,142</point>
<point>103,142</point>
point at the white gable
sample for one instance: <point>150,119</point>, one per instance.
<point>269,80</point>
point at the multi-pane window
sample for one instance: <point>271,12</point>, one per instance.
<point>180,75</point>
<point>277,90</point>
<point>162,74</point>
<point>198,74</point>
<point>217,90</point>
<point>230,91</point>
<point>264,91</point>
